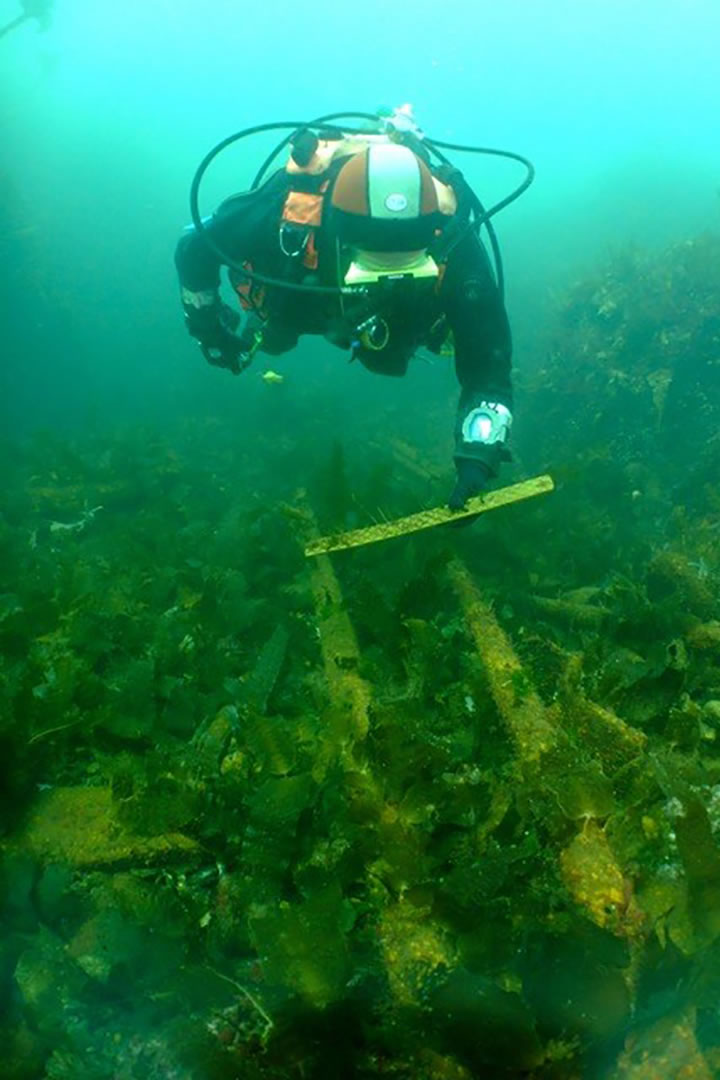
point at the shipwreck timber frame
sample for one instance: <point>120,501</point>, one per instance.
<point>414,943</point>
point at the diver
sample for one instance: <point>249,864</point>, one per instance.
<point>361,239</point>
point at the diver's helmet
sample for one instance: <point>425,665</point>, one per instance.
<point>385,208</point>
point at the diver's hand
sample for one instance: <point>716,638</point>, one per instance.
<point>210,322</point>
<point>213,328</point>
<point>227,354</point>
<point>472,478</point>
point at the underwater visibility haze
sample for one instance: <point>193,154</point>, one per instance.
<point>299,778</point>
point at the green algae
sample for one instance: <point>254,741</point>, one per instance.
<point>455,810</point>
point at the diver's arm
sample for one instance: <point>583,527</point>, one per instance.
<point>207,319</point>
<point>13,25</point>
<point>198,268</point>
<point>239,228</point>
<point>483,354</point>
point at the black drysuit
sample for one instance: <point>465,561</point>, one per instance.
<point>467,301</point>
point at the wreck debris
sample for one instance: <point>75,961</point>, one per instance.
<point>527,719</point>
<point>664,1049</point>
<point>349,693</point>
<point>79,826</point>
<point>418,816</point>
<point>60,527</point>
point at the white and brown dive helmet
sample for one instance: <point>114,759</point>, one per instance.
<point>387,211</point>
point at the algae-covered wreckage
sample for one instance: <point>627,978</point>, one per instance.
<point>446,808</point>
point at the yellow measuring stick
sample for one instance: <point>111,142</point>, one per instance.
<point>428,519</point>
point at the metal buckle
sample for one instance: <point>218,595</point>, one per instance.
<point>287,228</point>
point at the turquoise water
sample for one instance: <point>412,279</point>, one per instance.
<point>107,113</point>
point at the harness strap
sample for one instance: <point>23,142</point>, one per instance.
<point>300,220</point>
<point>250,294</point>
<point>304,207</point>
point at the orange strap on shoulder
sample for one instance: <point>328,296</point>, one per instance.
<point>303,208</point>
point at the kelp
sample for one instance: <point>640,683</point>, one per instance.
<point>448,807</point>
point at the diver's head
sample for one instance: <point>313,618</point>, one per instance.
<point>386,211</point>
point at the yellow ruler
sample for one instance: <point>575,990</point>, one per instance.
<point>428,519</point>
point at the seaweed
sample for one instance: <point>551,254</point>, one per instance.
<point>447,807</point>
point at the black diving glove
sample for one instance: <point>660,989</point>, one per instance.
<point>473,477</point>
<point>213,327</point>
<point>481,433</point>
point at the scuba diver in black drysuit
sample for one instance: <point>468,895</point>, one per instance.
<point>362,240</point>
